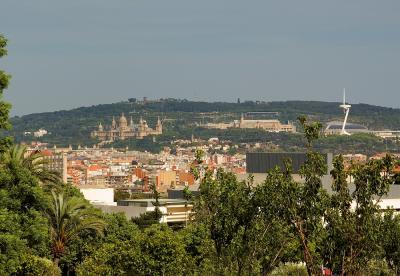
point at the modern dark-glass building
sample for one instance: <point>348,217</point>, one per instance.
<point>262,162</point>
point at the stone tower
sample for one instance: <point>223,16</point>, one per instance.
<point>123,122</point>
<point>142,128</point>
<point>114,123</point>
<point>131,123</point>
<point>159,126</point>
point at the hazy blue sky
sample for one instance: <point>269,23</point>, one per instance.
<point>65,54</point>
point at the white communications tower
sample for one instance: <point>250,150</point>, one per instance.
<point>346,109</point>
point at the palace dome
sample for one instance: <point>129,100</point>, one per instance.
<point>123,122</point>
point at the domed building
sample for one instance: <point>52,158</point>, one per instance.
<point>123,130</point>
<point>123,122</point>
<point>335,128</point>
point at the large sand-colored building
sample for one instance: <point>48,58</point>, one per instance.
<point>270,125</point>
<point>123,130</point>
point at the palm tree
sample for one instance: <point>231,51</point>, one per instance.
<point>68,217</point>
<point>17,156</point>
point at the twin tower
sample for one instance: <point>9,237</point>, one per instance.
<point>122,130</point>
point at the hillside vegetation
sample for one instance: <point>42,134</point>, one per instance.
<point>182,119</point>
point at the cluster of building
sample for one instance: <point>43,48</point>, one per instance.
<point>138,170</point>
<point>38,133</point>
<point>133,170</point>
<point>100,172</point>
<point>122,130</point>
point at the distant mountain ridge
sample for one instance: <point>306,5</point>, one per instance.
<point>202,106</point>
<point>74,126</point>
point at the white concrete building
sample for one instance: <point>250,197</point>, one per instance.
<point>102,196</point>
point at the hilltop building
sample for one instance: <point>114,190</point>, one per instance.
<point>40,133</point>
<point>123,130</point>
<point>336,128</point>
<point>268,125</point>
<point>271,125</point>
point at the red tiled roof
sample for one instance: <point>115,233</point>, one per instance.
<point>46,153</point>
<point>95,168</point>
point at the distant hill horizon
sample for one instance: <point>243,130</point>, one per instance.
<point>208,102</point>
<point>182,117</point>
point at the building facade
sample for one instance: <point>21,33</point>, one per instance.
<point>268,125</point>
<point>262,162</point>
<point>122,130</point>
<point>56,162</point>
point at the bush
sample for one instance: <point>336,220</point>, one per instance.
<point>34,265</point>
<point>295,269</point>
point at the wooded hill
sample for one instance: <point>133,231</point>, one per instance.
<point>183,117</point>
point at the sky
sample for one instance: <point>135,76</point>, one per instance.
<point>67,54</point>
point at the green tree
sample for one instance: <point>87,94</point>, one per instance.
<point>68,217</point>
<point>153,217</point>
<point>147,219</point>
<point>156,251</point>
<point>23,229</point>
<point>228,210</point>
<point>277,200</point>
<point>353,239</point>
<point>340,219</point>
<point>390,240</point>
<point>156,203</point>
<point>307,204</point>
<point>33,265</point>
<point>200,247</point>
<point>120,195</point>
<point>163,251</point>
<point>118,232</point>
<point>4,106</point>
<point>117,253</point>
<point>11,243</point>
<point>242,221</point>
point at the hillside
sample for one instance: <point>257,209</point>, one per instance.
<point>182,117</point>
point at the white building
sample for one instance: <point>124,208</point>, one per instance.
<point>173,210</point>
<point>39,133</point>
<point>96,196</point>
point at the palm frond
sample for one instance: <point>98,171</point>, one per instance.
<point>68,217</point>
<point>36,163</point>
